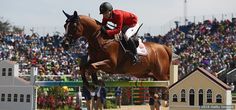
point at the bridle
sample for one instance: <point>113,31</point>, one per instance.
<point>72,26</point>
<point>70,38</point>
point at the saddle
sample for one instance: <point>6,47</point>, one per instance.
<point>124,44</point>
<point>141,50</point>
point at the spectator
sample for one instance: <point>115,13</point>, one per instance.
<point>93,97</point>
<point>87,95</point>
<point>118,95</point>
<point>154,102</point>
<point>101,95</point>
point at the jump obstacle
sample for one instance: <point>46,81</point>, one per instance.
<point>173,79</point>
<point>107,83</point>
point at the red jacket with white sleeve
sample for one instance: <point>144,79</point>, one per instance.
<point>120,18</point>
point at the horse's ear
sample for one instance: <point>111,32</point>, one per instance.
<point>75,14</point>
<point>67,15</point>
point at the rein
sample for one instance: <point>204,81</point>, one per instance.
<point>96,36</point>
<point>101,42</point>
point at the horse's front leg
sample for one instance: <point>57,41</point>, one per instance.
<point>82,72</point>
<point>93,75</point>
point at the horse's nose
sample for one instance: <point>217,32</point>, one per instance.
<point>65,44</point>
<point>67,34</point>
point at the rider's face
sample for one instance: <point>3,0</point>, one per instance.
<point>107,14</point>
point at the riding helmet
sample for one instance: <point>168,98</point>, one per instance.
<point>104,7</point>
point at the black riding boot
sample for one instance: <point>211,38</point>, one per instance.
<point>132,45</point>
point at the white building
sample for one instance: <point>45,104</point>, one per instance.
<point>200,90</point>
<point>15,93</point>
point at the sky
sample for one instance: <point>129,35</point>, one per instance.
<point>157,16</point>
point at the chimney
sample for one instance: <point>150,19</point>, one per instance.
<point>34,73</point>
<point>173,73</point>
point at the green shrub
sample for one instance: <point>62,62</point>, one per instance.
<point>110,104</point>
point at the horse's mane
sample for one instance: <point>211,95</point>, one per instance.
<point>98,22</point>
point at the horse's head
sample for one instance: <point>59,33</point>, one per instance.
<point>73,30</point>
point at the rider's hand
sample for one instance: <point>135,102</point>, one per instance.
<point>117,37</point>
<point>103,30</point>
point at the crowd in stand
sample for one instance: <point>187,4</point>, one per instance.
<point>210,44</point>
<point>44,52</point>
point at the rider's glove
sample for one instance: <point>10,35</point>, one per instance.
<point>103,30</point>
<point>117,37</point>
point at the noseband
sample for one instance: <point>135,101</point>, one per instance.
<point>69,37</point>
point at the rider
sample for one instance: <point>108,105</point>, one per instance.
<point>126,22</point>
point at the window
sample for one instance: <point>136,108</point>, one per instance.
<point>218,98</point>
<point>28,98</point>
<point>182,95</point>
<point>3,97</point>
<point>3,71</point>
<point>209,96</point>
<point>191,97</point>
<point>15,97</point>
<point>9,71</point>
<point>21,97</point>
<point>200,91</point>
<point>175,98</point>
<point>9,97</point>
<point>200,97</point>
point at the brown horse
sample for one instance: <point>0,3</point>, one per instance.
<point>107,54</point>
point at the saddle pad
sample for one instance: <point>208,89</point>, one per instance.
<point>141,49</point>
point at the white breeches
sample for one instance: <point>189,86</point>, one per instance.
<point>131,31</point>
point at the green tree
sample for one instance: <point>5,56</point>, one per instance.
<point>17,29</point>
<point>5,26</point>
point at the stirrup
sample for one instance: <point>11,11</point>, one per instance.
<point>135,60</point>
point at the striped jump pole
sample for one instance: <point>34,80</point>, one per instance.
<point>173,79</point>
<point>107,83</point>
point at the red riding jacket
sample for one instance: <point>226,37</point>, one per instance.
<point>120,18</point>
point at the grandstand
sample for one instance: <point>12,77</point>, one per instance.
<point>208,43</point>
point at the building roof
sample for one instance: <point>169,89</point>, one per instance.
<point>8,61</point>
<point>207,74</point>
<point>21,81</point>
